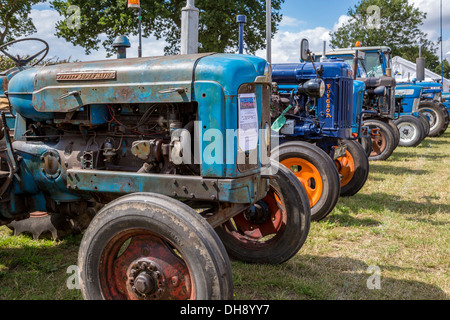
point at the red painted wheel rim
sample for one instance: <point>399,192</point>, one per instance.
<point>260,234</point>
<point>136,254</point>
<point>379,143</point>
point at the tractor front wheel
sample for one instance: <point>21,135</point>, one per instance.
<point>353,168</point>
<point>276,228</point>
<point>317,173</point>
<point>150,247</point>
<point>411,130</point>
<point>383,140</point>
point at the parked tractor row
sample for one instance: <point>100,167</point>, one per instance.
<point>172,165</point>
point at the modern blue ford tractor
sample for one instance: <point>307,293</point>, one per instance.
<point>173,151</point>
<point>433,106</point>
<point>313,120</point>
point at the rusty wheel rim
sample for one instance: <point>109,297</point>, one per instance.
<point>346,168</point>
<point>379,143</point>
<point>309,176</point>
<point>260,229</point>
<point>140,265</point>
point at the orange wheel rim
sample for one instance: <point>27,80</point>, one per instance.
<point>346,168</point>
<point>309,176</point>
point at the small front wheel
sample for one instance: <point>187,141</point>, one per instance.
<point>353,167</point>
<point>411,130</point>
<point>276,227</point>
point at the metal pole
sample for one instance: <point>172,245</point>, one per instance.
<point>269,30</point>
<point>442,53</point>
<point>140,33</point>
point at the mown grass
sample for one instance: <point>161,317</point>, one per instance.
<point>399,222</point>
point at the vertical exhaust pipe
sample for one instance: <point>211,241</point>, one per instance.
<point>189,28</point>
<point>242,20</point>
<point>324,52</point>
<point>420,67</point>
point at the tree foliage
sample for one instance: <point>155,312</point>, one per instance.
<point>15,21</point>
<point>399,29</point>
<point>399,26</point>
<point>218,30</point>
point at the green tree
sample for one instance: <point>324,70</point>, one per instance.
<point>399,29</point>
<point>218,30</point>
<point>15,19</point>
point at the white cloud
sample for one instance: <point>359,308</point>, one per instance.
<point>431,25</point>
<point>286,45</point>
<point>291,22</point>
<point>45,22</point>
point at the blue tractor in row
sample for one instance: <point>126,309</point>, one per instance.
<point>432,106</point>
<point>378,99</point>
<point>312,113</point>
<point>394,111</point>
<point>168,159</point>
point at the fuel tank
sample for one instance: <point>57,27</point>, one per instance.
<point>39,93</point>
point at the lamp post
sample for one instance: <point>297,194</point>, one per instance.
<point>269,30</point>
<point>442,52</point>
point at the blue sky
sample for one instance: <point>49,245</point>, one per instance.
<point>302,19</point>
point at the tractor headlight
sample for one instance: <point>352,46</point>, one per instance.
<point>314,88</point>
<point>380,91</point>
<point>267,77</point>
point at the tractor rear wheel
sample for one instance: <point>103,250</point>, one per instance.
<point>150,247</point>
<point>353,168</point>
<point>436,116</point>
<point>317,173</point>
<point>411,130</point>
<point>383,140</point>
<point>278,226</point>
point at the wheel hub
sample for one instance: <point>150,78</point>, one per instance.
<point>145,280</point>
<point>259,213</point>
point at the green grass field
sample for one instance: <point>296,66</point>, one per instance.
<point>398,224</point>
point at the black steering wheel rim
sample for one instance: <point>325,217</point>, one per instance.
<point>24,62</point>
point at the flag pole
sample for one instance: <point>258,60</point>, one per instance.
<point>140,33</point>
<point>442,52</point>
<point>269,30</point>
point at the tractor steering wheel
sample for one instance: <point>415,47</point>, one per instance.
<point>22,62</point>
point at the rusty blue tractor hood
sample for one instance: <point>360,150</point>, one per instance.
<point>37,93</point>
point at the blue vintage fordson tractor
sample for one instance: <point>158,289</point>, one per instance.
<point>313,120</point>
<point>173,152</point>
<point>379,97</point>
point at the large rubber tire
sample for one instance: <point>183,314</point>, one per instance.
<point>395,131</point>
<point>317,173</point>
<point>411,130</point>
<point>353,168</point>
<point>383,145</point>
<point>426,125</point>
<point>437,117</point>
<point>366,143</point>
<point>171,242</point>
<point>277,237</point>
